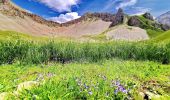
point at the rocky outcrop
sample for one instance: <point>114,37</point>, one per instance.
<point>144,23</point>
<point>134,21</point>
<point>10,9</point>
<point>164,19</point>
<point>40,19</point>
<point>4,1</point>
<point>107,17</point>
<point>103,16</point>
<point>148,16</point>
<point>119,18</point>
<point>165,27</point>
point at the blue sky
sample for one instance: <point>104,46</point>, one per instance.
<point>66,10</point>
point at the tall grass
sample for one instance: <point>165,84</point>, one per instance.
<point>42,52</point>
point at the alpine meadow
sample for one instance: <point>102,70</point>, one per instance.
<point>84,50</point>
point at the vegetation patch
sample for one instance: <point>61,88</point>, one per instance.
<point>53,69</point>
<point>163,37</point>
<point>107,79</point>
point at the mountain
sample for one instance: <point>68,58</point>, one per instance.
<point>91,26</point>
<point>165,20</point>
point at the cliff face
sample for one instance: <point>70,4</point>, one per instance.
<point>119,18</point>
<point>107,17</point>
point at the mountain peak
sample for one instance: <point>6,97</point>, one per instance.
<point>119,18</point>
<point>120,10</point>
<point>164,19</point>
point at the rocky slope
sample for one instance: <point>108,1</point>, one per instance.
<point>165,20</point>
<point>17,19</point>
<point>9,9</point>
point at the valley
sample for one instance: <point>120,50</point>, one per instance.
<point>99,56</point>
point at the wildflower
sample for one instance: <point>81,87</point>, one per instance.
<point>119,87</point>
<point>49,75</point>
<point>117,83</point>
<point>116,91</point>
<point>90,92</point>
<point>122,89</point>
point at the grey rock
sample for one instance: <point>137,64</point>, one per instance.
<point>119,18</point>
<point>134,21</point>
<point>164,19</point>
<point>148,16</point>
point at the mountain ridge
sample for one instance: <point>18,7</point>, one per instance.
<point>17,11</point>
<point>165,20</point>
<point>15,18</point>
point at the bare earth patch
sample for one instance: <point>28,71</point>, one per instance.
<point>124,32</point>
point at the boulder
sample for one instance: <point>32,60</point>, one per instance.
<point>165,27</point>
<point>27,85</point>
<point>134,21</point>
<point>164,19</point>
<point>148,16</point>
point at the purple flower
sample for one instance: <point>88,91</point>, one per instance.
<point>85,86</point>
<point>90,92</point>
<point>119,87</point>
<point>116,91</point>
<point>117,83</point>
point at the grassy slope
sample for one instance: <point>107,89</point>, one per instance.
<point>148,25</point>
<point>163,37</point>
<point>136,75</point>
<point>12,35</point>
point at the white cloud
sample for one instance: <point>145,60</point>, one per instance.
<point>139,10</point>
<point>59,5</point>
<point>125,3</point>
<point>65,17</point>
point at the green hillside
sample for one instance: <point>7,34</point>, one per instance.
<point>12,35</point>
<point>149,25</point>
<point>163,37</point>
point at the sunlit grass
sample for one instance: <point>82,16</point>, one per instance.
<point>63,82</point>
<point>68,69</point>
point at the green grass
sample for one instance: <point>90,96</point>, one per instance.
<point>154,33</point>
<point>30,52</point>
<point>69,70</point>
<point>17,47</point>
<point>148,25</point>
<point>87,80</point>
<point>98,37</point>
<point>12,35</point>
<point>163,37</point>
